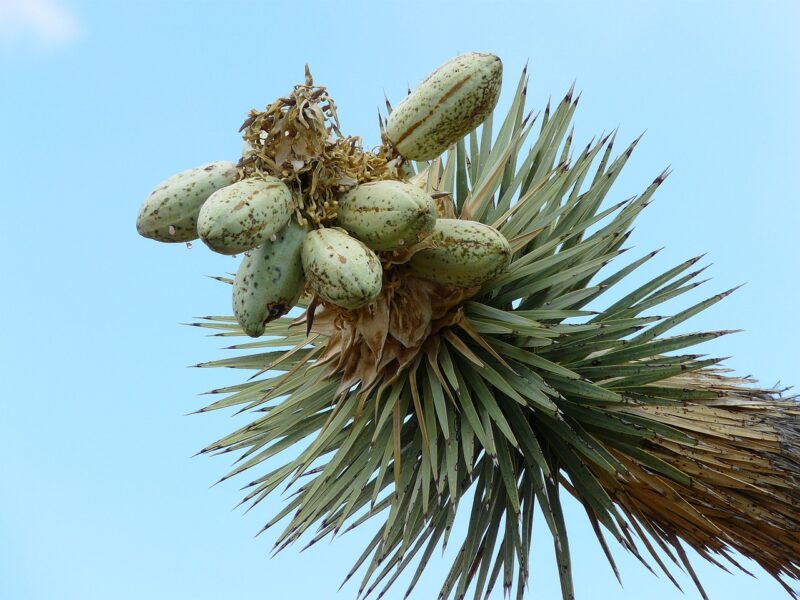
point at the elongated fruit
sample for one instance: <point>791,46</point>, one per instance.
<point>466,254</point>
<point>269,280</point>
<point>169,214</point>
<point>341,269</point>
<point>447,105</point>
<point>244,215</point>
<point>387,215</point>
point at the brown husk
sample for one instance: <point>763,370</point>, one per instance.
<point>297,139</point>
<point>375,344</point>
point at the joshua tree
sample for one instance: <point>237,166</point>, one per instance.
<point>454,338</point>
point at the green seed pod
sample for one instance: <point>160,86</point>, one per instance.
<point>169,214</point>
<point>341,269</point>
<point>244,215</point>
<point>467,254</point>
<point>387,215</point>
<point>269,280</point>
<point>447,105</point>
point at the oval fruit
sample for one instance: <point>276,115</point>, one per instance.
<point>447,105</point>
<point>387,215</point>
<point>269,280</point>
<point>169,214</point>
<point>341,269</point>
<point>244,215</point>
<point>466,254</point>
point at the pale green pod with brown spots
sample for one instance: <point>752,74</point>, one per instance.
<point>244,215</point>
<point>447,105</point>
<point>269,280</point>
<point>169,213</point>
<point>465,254</point>
<point>387,215</point>
<point>341,269</point>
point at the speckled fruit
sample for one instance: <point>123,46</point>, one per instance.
<point>244,215</point>
<point>387,215</point>
<point>447,105</point>
<point>269,280</point>
<point>466,254</point>
<point>341,269</point>
<point>169,214</point>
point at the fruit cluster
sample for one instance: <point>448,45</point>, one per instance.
<point>340,252</point>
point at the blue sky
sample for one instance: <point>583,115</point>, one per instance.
<point>100,101</point>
